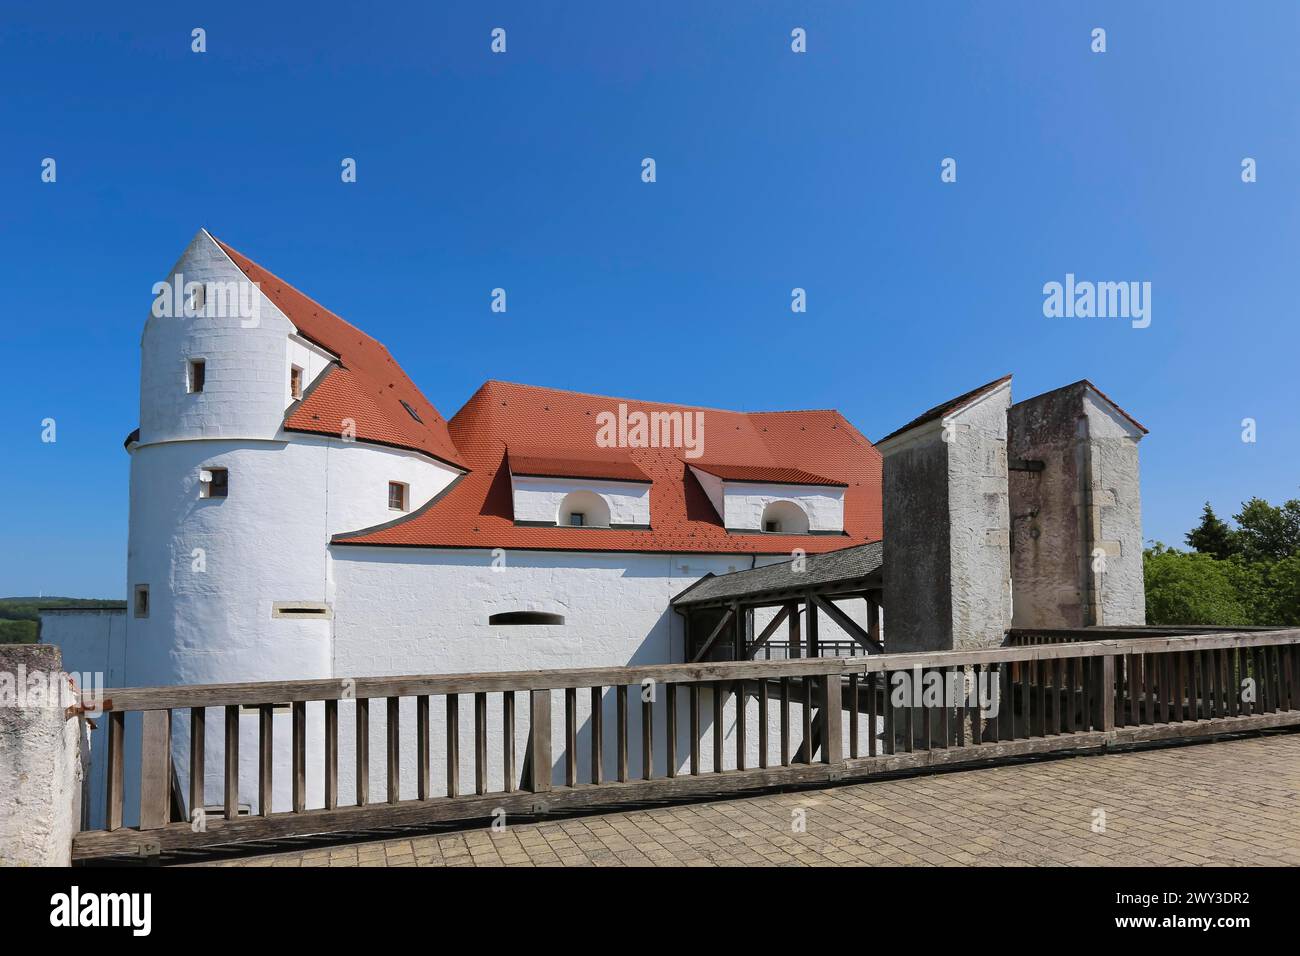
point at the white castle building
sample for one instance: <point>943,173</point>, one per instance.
<point>299,509</point>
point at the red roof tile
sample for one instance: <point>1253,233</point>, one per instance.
<point>763,473</point>
<point>529,460</point>
<point>368,387</point>
<point>477,511</point>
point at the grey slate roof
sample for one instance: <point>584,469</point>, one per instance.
<point>847,564</point>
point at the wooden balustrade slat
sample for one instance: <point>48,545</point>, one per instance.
<point>740,724</point>
<point>832,715</point>
<point>508,734</point>
<point>853,715</point>
<point>695,729</point>
<point>719,690</point>
<point>480,743</point>
<point>785,721</point>
<point>571,736</point>
<point>155,769</point>
<point>392,750</point>
<point>231,779</point>
<point>198,741</point>
<point>113,772</point>
<point>299,755</point>
<point>331,754</point>
<point>806,707</point>
<point>670,729</point>
<point>647,732</point>
<point>620,728</point>
<point>539,733</point>
<point>265,754</point>
<point>871,715</point>
<point>363,751</point>
<point>597,735</point>
<point>453,745</point>
<point>423,772</point>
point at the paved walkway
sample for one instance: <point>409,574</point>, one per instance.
<point>1231,803</point>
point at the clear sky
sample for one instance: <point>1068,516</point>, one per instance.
<point>775,170</point>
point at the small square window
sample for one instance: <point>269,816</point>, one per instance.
<point>295,382</point>
<point>214,483</point>
<point>397,496</point>
<point>197,375</point>
<point>773,527</point>
<point>142,600</point>
<point>577,519</point>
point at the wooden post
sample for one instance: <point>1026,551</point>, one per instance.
<point>832,720</point>
<point>393,751</point>
<point>873,618</point>
<point>796,642</point>
<point>265,747</point>
<point>299,756</point>
<point>363,751</point>
<point>814,644</point>
<point>1107,694</point>
<point>116,740</point>
<point>155,769</point>
<point>539,738</point>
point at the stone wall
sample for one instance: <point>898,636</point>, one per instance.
<point>43,760</point>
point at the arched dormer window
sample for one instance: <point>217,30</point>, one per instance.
<point>583,509</point>
<point>785,517</point>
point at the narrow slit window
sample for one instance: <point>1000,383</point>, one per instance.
<point>397,496</point>
<point>214,483</point>
<point>142,600</point>
<point>302,610</point>
<point>525,617</point>
<point>295,383</point>
<point>197,375</point>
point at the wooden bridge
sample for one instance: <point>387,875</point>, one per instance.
<point>1055,691</point>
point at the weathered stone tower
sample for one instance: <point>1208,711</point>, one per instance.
<point>946,525</point>
<point>1076,510</point>
<point>998,515</point>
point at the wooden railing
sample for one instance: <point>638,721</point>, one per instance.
<point>814,720</point>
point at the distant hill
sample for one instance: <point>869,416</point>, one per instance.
<point>19,615</point>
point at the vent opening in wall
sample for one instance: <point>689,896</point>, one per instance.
<point>526,617</point>
<point>142,600</point>
<point>302,610</point>
<point>196,375</point>
<point>214,483</point>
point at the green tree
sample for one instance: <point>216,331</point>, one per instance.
<point>1213,536</point>
<point>1187,588</point>
<point>1269,532</point>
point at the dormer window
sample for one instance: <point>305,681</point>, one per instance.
<point>784,517</point>
<point>196,375</point>
<point>295,383</point>
<point>583,509</point>
<point>397,496</point>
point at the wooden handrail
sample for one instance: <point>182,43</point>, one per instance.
<point>283,692</point>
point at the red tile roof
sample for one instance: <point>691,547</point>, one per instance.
<point>764,474</point>
<point>367,386</point>
<point>477,511</point>
<point>530,460</point>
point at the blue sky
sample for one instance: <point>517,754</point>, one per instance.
<point>775,170</point>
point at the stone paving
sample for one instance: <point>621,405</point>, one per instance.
<point>1234,802</point>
